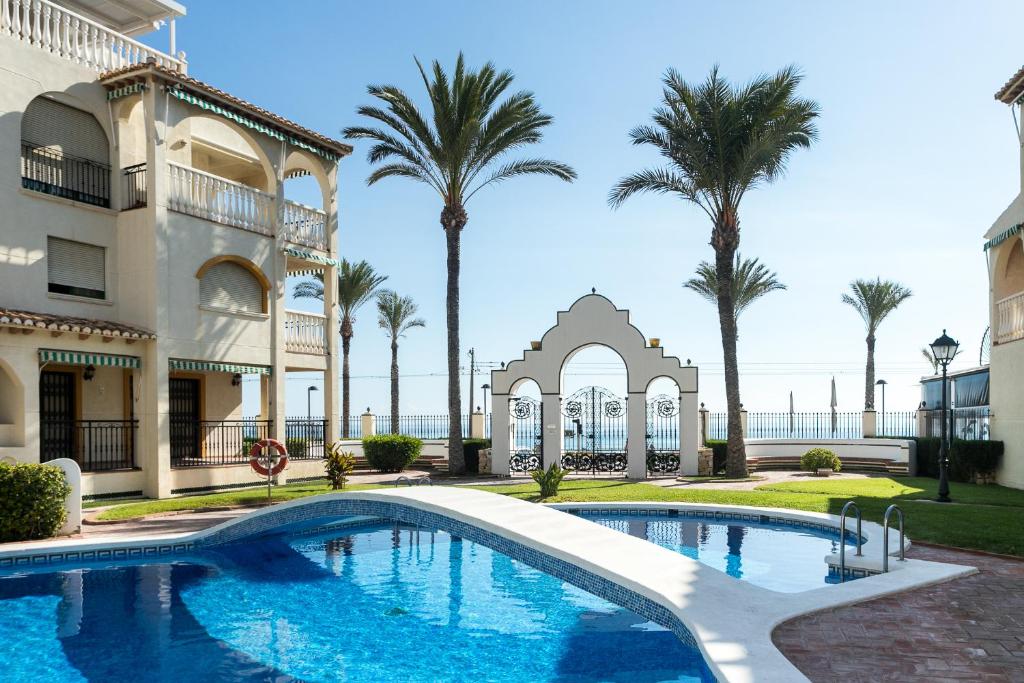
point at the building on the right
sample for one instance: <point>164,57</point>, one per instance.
<point>1004,248</point>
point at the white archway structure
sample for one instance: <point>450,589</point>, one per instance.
<point>594,320</point>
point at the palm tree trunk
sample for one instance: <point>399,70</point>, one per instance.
<point>346,346</point>
<point>869,375</point>
<point>453,218</point>
<point>725,240</point>
<point>394,385</point>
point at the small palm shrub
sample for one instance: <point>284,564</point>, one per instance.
<point>549,480</point>
<point>339,464</point>
<point>820,459</point>
<point>31,501</point>
<point>391,452</point>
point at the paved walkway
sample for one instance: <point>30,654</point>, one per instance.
<point>969,629</point>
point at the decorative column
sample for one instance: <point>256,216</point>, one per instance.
<point>551,428</point>
<point>705,426</point>
<point>501,441</point>
<point>368,423</point>
<point>690,440</point>
<point>278,317</point>
<point>869,423</point>
<point>333,368</point>
<point>636,435</point>
<point>743,422</point>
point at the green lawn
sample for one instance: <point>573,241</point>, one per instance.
<point>254,496</point>
<point>987,518</point>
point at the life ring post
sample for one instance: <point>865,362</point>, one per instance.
<point>268,457</point>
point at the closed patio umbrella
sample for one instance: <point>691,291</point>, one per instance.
<point>833,404</point>
<point>791,413</point>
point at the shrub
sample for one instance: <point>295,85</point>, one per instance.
<point>31,501</point>
<point>297,448</point>
<point>819,459</point>
<point>471,452</point>
<point>339,465</point>
<point>970,460</point>
<point>549,480</point>
<point>391,452</point>
<point>719,448</point>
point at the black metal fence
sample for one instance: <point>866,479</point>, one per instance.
<point>421,426</point>
<point>135,187</point>
<point>785,425</point>
<point>48,170</point>
<point>897,423</point>
<point>96,445</point>
<point>221,442</point>
<point>304,438</point>
<point>964,423</point>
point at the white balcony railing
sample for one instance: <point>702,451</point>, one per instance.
<point>1010,318</point>
<point>305,225</point>
<point>60,31</point>
<point>305,332</point>
<point>219,199</point>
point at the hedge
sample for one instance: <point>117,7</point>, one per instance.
<point>969,459</point>
<point>718,447</point>
<point>471,453</point>
<point>391,452</point>
<point>31,501</point>
<point>820,459</point>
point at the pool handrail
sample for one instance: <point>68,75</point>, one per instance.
<point>842,537</point>
<point>885,536</point>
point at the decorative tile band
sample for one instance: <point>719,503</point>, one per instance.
<point>95,555</point>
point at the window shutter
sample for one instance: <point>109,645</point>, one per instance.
<point>76,133</point>
<point>231,287</point>
<point>76,268</point>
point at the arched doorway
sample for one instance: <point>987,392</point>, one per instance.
<point>594,411</point>
<point>587,425</point>
<point>663,436</point>
<point>526,435</point>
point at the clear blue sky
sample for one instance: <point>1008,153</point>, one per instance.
<point>914,162</point>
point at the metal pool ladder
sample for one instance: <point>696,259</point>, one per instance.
<point>885,536</point>
<point>413,482</point>
<point>842,537</point>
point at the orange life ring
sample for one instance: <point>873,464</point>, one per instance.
<point>256,453</point>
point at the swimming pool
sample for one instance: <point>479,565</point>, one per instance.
<point>380,602</point>
<point>767,552</point>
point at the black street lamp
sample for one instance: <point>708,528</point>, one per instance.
<point>944,350</point>
<point>882,383</point>
<point>485,388</point>
<point>309,392</point>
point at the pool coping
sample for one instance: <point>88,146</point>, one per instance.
<point>731,621</point>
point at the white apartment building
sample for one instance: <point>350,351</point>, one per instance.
<point>145,241</point>
<point>1005,250</point>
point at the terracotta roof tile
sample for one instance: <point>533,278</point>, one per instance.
<point>244,106</point>
<point>1013,88</point>
<point>63,323</point>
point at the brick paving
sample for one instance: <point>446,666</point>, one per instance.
<point>969,629</point>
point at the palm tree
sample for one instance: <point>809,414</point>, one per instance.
<point>357,283</point>
<point>721,141</point>
<point>928,356</point>
<point>751,280</point>
<point>458,150</point>
<point>874,301</point>
<point>396,315</point>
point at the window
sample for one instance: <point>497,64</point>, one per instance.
<point>231,287</point>
<point>76,268</point>
<point>64,152</point>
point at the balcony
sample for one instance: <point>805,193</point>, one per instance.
<point>217,199</point>
<point>134,188</point>
<point>305,225</point>
<point>47,170</point>
<point>305,333</point>
<point>1010,319</point>
<point>96,445</point>
<point>60,31</point>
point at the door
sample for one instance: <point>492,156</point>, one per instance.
<point>184,418</point>
<point>56,415</point>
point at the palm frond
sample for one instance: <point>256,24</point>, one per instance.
<point>397,314</point>
<point>357,283</point>
<point>875,300</point>
<point>751,281</point>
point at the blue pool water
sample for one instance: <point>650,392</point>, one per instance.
<point>377,603</point>
<point>779,557</point>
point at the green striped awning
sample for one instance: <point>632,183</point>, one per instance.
<point>82,358</point>
<point>1003,236</point>
<point>209,366</point>
<point>309,256</point>
<point>197,101</point>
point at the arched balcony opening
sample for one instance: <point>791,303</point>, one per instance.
<point>1008,290</point>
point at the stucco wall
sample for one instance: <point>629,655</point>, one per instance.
<point>1007,423</point>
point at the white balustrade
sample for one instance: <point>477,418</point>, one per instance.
<point>219,199</point>
<point>1010,318</point>
<point>305,332</point>
<point>305,225</point>
<point>65,33</point>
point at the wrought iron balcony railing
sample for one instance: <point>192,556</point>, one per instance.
<point>48,170</point>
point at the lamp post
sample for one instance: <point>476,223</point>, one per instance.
<point>882,383</point>
<point>309,411</point>
<point>485,387</point>
<point>944,350</point>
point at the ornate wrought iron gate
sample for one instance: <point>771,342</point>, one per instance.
<point>595,431</point>
<point>527,437</point>
<point>663,434</point>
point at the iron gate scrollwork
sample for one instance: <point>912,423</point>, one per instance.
<point>663,434</point>
<point>527,437</point>
<point>595,431</point>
